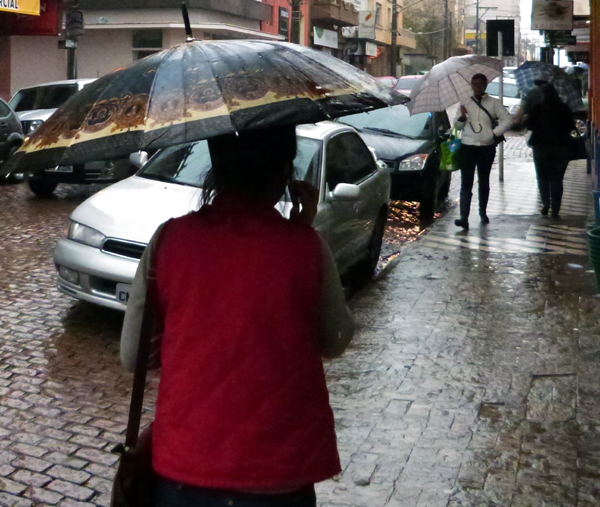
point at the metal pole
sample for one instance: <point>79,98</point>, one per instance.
<point>501,95</point>
<point>394,49</point>
<point>477,52</point>
<point>72,61</point>
<point>295,31</point>
<point>446,29</point>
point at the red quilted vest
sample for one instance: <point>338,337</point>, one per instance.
<point>243,402</point>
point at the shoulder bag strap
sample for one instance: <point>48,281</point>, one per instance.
<point>143,357</point>
<point>494,122</point>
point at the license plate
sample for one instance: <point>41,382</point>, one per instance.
<point>123,291</point>
<point>61,169</point>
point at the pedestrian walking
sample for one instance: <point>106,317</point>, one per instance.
<point>551,123</point>
<point>483,120</point>
<point>247,304</point>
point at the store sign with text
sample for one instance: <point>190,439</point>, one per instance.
<point>47,23</point>
<point>552,15</point>
<point>29,7</point>
<point>325,38</point>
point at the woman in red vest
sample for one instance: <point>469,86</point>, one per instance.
<point>248,304</point>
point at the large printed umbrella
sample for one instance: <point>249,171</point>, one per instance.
<point>566,86</point>
<point>449,82</point>
<point>197,90</point>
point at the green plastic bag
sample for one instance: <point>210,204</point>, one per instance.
<point>450,150</point>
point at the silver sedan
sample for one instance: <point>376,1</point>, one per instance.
<point>97,259</point>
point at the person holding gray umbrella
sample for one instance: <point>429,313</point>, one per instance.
<point>483,121</point>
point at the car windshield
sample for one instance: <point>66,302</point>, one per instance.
<point>387,81</point>
<point>392,120</point>
<point>42,97</point>
<point>187,164</point>
<point>510,90</point>
<point>407,83</point>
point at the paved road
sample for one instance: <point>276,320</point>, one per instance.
<point>64,396</point>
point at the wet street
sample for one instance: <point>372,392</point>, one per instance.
<point>473,379</point>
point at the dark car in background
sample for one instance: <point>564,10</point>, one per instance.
<point>410,146</point>
<point>34,105</point>
<point>11,133</point>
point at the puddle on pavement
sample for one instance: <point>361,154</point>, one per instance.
<point>490,411</point>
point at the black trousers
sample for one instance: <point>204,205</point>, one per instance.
<point>550,165</point>
<point>471,158</point>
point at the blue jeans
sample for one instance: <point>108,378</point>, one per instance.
<point>173,494</point>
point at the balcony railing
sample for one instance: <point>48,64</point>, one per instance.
<point>339,12</point>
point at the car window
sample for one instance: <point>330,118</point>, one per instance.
<point>348,160</point>
<point>188,164</point>
<point>395,119</point>
<point>4,110</point>
<point>509,90</point>
<point>42,97</point>
<point>407,83</point>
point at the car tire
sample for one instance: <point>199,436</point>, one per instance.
<point>12,179</point>
<point>429,201</point>
<point>369,264</point>
<point>42,187</point>
<point>445,190</point>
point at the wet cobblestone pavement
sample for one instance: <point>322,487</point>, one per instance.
<point>473,379</point>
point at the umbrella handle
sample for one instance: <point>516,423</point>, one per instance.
<point>186,22</point>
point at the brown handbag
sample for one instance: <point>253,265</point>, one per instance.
<point>133,485</point>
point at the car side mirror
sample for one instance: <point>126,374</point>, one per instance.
<point>345,192</point>
<point>139,158</point>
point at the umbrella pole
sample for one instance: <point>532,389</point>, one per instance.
<point>186,22</point>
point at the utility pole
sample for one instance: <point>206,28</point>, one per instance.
<point>446,51</point>
<point>394,49</point>
<point>295,31</point>
<point>477,28</point>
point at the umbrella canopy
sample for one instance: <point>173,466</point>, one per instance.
<point>197,90</point>
<point>565,85</point>
<point>449,82</point>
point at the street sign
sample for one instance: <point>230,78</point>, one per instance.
<point>507,28</point>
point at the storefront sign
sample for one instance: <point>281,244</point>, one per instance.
<point>366,25</point>
<point>370,49</point>
<point>29,7</point>
<point>326,38</point>
<point>552,15</point>
<point>47,23</point>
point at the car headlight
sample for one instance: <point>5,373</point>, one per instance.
<point>86,235</point>
<point>413,163</point>
<point>32,126</point>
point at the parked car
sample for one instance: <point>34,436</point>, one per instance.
<point>11,133</point>
<point>34,105</point>
<point>410,146</point>
<point>97,260</point>
<point>388,81</point>
<point>406,83</point>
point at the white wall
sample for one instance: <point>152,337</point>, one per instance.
<point>36,60</point>
<point>102,51</point>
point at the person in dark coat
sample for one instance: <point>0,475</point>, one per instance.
<point>551,123</point>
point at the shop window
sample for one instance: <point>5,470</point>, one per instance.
<point>146,43</point>
<point>284,21</point>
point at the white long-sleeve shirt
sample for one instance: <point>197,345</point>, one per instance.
<point>477,129</point>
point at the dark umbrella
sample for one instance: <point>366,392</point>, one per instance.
<point>197,90</point>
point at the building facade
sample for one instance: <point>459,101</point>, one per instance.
<point>118,33</point>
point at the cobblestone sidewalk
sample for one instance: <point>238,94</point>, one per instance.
<point>475,375</point>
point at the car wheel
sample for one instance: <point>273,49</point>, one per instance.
<point>41,187</point>
<point>429,201</point>
<point>369,264</point>
<point>13,178</point>
<point>445,190</point>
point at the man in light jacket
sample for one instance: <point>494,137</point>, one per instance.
<point>482,120</point>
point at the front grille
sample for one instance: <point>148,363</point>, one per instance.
<point>124,248</point>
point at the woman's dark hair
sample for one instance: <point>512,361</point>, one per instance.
<point>479,76</point>
<point>250,162</point>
